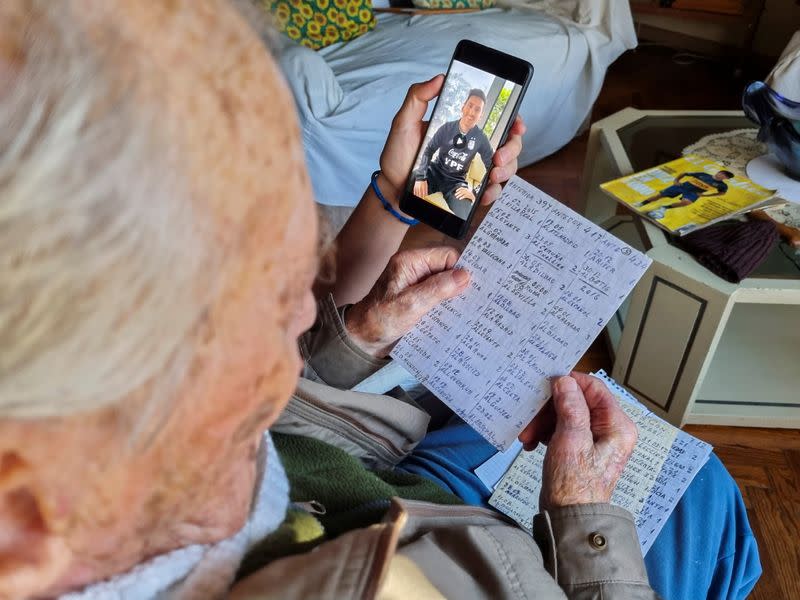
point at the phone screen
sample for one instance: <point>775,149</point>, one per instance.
<point>465,129</point>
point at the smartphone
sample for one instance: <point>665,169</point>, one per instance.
<point>471,119</point>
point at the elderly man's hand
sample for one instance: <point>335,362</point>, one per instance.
<point>413,283</point>
<point>590,446</point>
<point>408,131</point>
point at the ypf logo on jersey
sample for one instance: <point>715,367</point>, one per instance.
<point>471,144</point>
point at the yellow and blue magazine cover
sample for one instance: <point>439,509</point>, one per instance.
<point>689,193</point>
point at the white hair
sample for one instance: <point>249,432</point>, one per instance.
<point>106,264</point>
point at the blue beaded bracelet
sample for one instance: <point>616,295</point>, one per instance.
<point>386,204</point>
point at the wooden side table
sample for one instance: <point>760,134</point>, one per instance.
<point>693,347</point>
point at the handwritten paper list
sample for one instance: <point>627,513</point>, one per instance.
<point>544,283</point>
<point>663,464</point>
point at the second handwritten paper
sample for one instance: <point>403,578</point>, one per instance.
<point>545,281</point>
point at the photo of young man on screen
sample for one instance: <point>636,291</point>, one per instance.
<point>446,159</point>
<point>473,111</point>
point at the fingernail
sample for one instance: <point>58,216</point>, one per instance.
<point>460,276</point>
<point>566,385</point>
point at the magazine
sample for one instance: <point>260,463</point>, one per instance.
<point>689,193</point>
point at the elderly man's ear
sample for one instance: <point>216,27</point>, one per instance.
<point>31,553</point>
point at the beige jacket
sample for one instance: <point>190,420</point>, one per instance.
<point>424,550</point>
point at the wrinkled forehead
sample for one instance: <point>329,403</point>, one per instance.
<point>214,92</point>
<point>236,114</point>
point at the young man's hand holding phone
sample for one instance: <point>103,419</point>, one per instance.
<point>474,114</point>
<point>369,239</point>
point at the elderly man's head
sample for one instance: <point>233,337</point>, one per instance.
<point>157,244</point>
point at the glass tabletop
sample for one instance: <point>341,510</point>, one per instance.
<point>656,139</point>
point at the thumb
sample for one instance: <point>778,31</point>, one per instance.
<point>572,412</point>
<point>416,102</point>
<point>435,289</point>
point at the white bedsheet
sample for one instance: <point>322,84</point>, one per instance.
<point>347,94</point>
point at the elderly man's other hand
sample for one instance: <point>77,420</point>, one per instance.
<point>590,446</point>
<point>413,283</point>
<point>407,134</point>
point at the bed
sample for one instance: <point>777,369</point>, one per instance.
<point>347,94</point>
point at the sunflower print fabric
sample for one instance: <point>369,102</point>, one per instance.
<point>320,23</point>
<point>440,4</point>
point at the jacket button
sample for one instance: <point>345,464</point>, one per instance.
<point>597,541</point>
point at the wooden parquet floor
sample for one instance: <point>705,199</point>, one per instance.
<point>764,462</point>
<point>766,465</point>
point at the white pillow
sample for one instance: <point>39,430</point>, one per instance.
<point>313,83</point>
